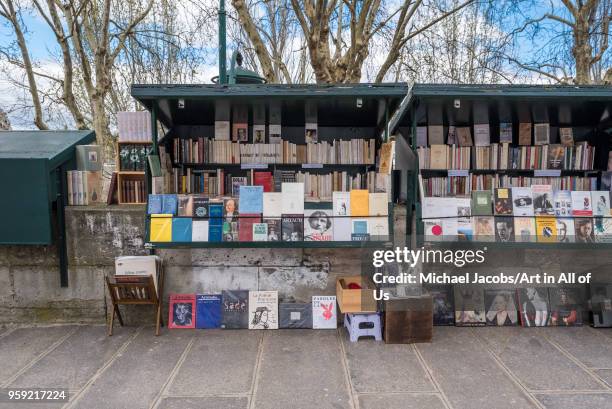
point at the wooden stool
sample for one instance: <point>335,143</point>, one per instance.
<point>363,325</point>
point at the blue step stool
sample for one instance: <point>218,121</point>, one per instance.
<point>363,325</point>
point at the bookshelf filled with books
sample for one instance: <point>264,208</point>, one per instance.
<point>518,166</point>
<point>295,167</point>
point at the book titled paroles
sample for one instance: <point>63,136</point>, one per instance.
<point>324,315</point>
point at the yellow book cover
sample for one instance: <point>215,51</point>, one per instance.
<point>546,228</point>
<point>360,202</point>
<point>161,228</point>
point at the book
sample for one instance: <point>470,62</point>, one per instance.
<point>438,157</point>
<point>566,305</point>
<point>272,204</point>
<point>464,229</point>
<point>482,135</point>
<point>534,307</point>
<point>481,203</point>
<point>292,198</point>
<point>600,200</point>
<point>295,315</point>
<point>161,228</point>
<point>292,227</point>
<point>245,225</point>
<point>112,190</point>
<point>274,228</point>
<point>546,229</point>
<point>377,204</point>
<point>264,179</point>
<point>215,232</point>
<point>566,232</point>
<point>185,205</point>
<point>503,201</point>
<point>260,232</point>
<point>251,199</point>
<point>505,132</point>
<point>89,157</point>
<point>483,228</point>
<point>208,311</point>
<point>341,203</point>
<point>522,201</point>
<point>311,133</point>
<point>235,309</point>
<point>525,133</point>
<point>541,134</point>
<point>230,209</point>
<point>581,203</point>
<point>199,230</point>
<point>200,206</point>
<point>378,228</point>
<point>341,210</point>
<point>566,136</point>
<point>562,202</point>
<point>169,204</point>
<point>464,136</point>
<point>263,309</point>
<point>359,202</point>
<point>182,311</point>
<point>500,307</point>
<point>324,315</point>
<point>433,229</point>
<point>154,165</point>
<point>421,136</point>
<point>230,231</point>
<point>318,224</point>
<point>181,229</point>
<point>141,266</point>
<point>154,204</point>
<point>222,130</point>
<point>583,228</point>
<point>469,305</point>
<point>240,118</point>
<point>556,157</point>
<point>602,226</point>
<point>524,229</point>
<point>504,229</point>
<point>360,230</point>
<point>443,304</point>
<point>436,134</point>
<point>543,200</point>
<point>237,182</point>
<point>259,134</point>
<point>451,136</point>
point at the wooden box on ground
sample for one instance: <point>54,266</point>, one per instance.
<point>358,300</point>
<point>408,320</point>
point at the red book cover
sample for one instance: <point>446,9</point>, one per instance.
<point>182,311</point>
<point>264,179</point>
<point>245,226</point>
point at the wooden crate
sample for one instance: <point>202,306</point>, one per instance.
<point>360,300</point>
<point>408,320</point>
<point>125,176</point>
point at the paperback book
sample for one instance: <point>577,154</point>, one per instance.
<point>483,228</point>
<point>524,229</point>
<point>295,315</point>
<point>260,232</point>
<point>534,307</point>
<point>324,315</point>
<point>601,203</point>
<point>274,228</point>
<point>263,309</point>
<point>563,203</point>
<point>503,202</point>
<point>522,201</point>
<point>292,227</point>
<point>318,224</point>
<point>199,230</point>
<point>208,314</point>
<point>360,230</point>
<point>235,309</point>
<point>469,306</point>
<point>542,200</point>
<point>546,229</point>
<point>182,311</point>
<point>504,229</point>
<point>501,308</point>
<point>581,203</point>
<point>566,305</point>
<point>566,232</point>
<point>584,230</point>
<point>481,203</point>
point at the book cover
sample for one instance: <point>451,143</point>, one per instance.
<point>360,203</point>
<point>525,133</point>
<point>600,200</point>
<point>566,306</point>
<point>200,206</point>
<point>264,179</point>
<point>342,203</point>
<point>263,309</point>
<point>292,198</point>
<point>546,229</point>
<point>341,210</point>
<point>259,134</point>
<point>483,227</point>
<point>562,203</point>
<point>534,307</point>
<point>584,230</point>
<point>161,228</point>
<point>260,232</point>
<point>137,266</point>
<point>181,229</point>
<point>274,228</point>
<point>501,308</point>
<point>541,134</point>
<point>311,133</point>
<point>208,311</point>
<point>522,201</point>
<point>556,154</point>
<point>182,311</point>
<point>377,204</point>
<point>251,199</point>
<point>469,306</point>
<point>215,232</point>
<point>543,200</point>
<point>235,309</point>
<point>230,209</point>
<point>324,315</point>
<point>240,118</point>
<point>524,229</point>
<point>451,136</point>
<point>566,231</point>
<point>450,228</point>
<point>464,136</point>
<point>421,136</point>
<point>245,225</point>
<point>199,230</point>
<point>154,205</point>
<point>503,201</point>
<point>438,158</point>
<point>504,229</point>
<point>238,181</point>
<point>581,203</point>
<point>464,229</point>
<point>230,231</point>
<point>602,226</point>
<point>272,204</point>
<point>359,230</point>
<point>222,130</point>
<point>342,229</point>
<point>482,136</point>
<point>505,132</point>
<point>378,228</point>
<point>566,136</point>
<point>443,304</point>
<point>295,315</point>
<point>436,134</point>
<point>292,227</point>
<point>433,229</point>
<point>89,157</point>
<point>185,205</point>
<point>481,203</point>
<point>318,224</point>
<point>169,204</point>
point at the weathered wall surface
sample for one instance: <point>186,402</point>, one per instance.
<point>29,276</point>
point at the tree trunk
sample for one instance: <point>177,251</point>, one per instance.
<point>582,51</point>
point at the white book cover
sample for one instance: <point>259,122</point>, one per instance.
<point>378,205</point>
<point>263,309</point>
<point>450,228</point>
<point>260,231</point>
<point>275,133</point>
<point>324,315</point>
<point>524,229</point>
<point>378,226</point>
<point>602,227</point>
<point>433,229</point>
<point>581,203</point>
<point>318,225</point>
<point>137,266</point>
<point>222,130</point>
<point>342,229</point>
<point>272,204</point>
<point>199,230</point>
<point>562,203</point>
<point>482,136</point>
<point>522,201</point>
<point>292,198</point>
<point>566,230</point>
<point>601,202</point>
<point>342,203</point>
<point>434,207</point>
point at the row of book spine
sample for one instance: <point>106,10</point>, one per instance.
<point>133,191</point>
<point>321,186</point>
<point>77,188</point>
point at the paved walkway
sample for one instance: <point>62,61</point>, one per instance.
<point>463,368</point>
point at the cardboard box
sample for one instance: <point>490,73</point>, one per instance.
<point>360,300</point>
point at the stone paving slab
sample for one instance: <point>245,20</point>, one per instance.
<point>536,362</point>
<point>204,403</point>
<point>577,401</point>
<point>301,369</point>
<point>136,377</point>
<point>23,345</point>
<point>378,367</point>
<point>605,375</point>
<point>467,374</point>
<point>79,357</point>
<point>586,344</point>
<point>400,401</point>
<point>219,362</point>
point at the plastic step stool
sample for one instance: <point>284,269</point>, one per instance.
<point>363,325</point>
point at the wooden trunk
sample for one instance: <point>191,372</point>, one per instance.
<point>408,320</point>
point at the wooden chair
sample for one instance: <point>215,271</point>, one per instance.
<point>135,290</point>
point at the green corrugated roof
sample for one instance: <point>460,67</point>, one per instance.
<point>530,91</point>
